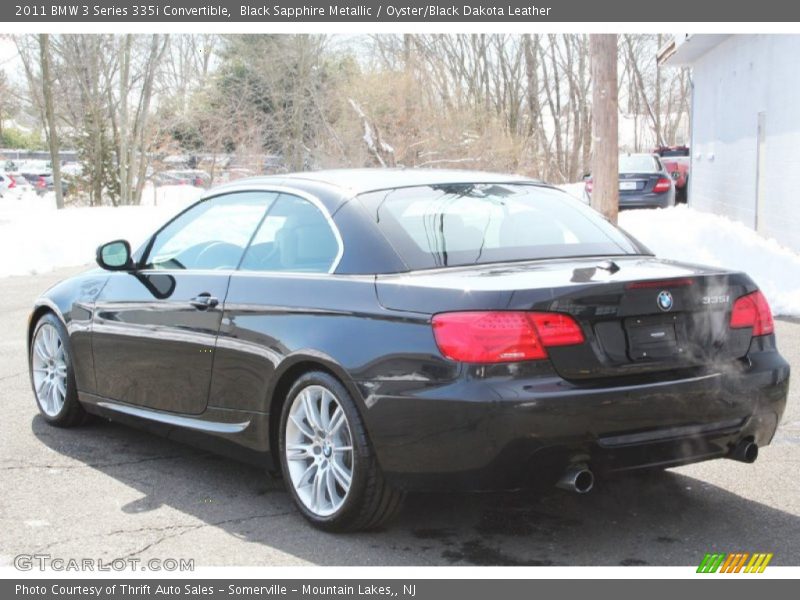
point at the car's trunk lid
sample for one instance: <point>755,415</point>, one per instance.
<point>637,183</point>
<point>639,314</point>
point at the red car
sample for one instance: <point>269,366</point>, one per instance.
<point>676,160</point>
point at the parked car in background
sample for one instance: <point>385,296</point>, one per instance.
<point>32,177</point>
<point>198,178</point>
<point>7,184</point>
<point>169,178</point>
<point>17,183</point>
<point>677,162</point>
<point>643,182</point>
<point>45,183</point>
<point>370,332</point>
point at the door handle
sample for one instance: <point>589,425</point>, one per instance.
<point>204,301</point>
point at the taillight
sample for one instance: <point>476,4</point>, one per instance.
<point>503,336</point>
<point>662,185</point>
<point>41,182</point>
<point>589,186</point>
<point>13,182</point>
<point>753,311</point>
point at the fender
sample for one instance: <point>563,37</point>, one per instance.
<point>309,355</point>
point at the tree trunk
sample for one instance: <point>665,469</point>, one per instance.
<point>605,113</point>
<point>50,118</point>
<point>124,90</point>
<point>139,150</point>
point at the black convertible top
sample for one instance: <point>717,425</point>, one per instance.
<point>357,181</point>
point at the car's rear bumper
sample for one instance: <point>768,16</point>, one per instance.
<point>650,200</point>
<point>508,432</point>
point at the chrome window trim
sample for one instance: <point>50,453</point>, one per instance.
<point>279,189</point>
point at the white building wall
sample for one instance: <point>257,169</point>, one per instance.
<point>733,82</point>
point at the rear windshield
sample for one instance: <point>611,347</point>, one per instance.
<point>466,224</point>
<point>638,163</point>
<point>675,152</point>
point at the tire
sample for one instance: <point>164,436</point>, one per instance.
<point>52,375</point>
<point>312,461</point>
<point>681,195</point>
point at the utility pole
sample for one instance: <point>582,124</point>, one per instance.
<point>605,119</point>
<point>50,117</point>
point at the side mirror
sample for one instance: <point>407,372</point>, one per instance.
<point>115,256</point>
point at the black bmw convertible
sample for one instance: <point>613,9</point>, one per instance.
<point>371,332</point>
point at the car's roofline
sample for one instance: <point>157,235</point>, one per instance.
<point>352,182</point>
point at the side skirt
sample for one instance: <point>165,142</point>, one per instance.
<point>240,435</point>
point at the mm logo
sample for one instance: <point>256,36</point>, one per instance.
<point>735,562</point>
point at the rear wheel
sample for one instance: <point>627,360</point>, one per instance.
<point>52,377</point>
<point>681,193</point>
<point>328,464</point>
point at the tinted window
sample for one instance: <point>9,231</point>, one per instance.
<point>212,234</point>
<point>295,236</point>
<point>675,152</point>
<point>454,225</point>
<point>637,163</point>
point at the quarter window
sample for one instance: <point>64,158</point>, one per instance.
<point>294,236</point>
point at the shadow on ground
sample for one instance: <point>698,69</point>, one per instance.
<point>661,519</point>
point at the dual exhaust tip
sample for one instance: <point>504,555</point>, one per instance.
<point>579,479</point>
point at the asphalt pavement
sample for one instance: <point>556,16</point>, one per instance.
<point>107,491</point>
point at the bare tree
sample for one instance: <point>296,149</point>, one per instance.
<point>186,68</point>
<point>488,100</point>
<point>88,68</point>
<point>657,100</point>
<point>8,101</point>
<point>51,129</point>
<point>138,65</point>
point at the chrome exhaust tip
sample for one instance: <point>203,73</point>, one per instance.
<point>745,451</point>
<point>577,478</point>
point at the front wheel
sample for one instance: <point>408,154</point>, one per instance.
<point>328,463</point>
<point>52,377</point>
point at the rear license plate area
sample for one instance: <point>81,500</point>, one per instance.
<point>627,186</point>
<point>651,338</point>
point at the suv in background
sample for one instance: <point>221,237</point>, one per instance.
<point>677,161</point>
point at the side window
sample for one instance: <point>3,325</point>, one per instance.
<point>212,234</point>
<point>294,236</point>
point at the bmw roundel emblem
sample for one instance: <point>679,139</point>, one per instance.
<point>664,300</point>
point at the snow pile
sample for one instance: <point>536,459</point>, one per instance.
<point>35,237</point>
<point>681,233</point>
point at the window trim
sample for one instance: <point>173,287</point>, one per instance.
<point>277,189</point>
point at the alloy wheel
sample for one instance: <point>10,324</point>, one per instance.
<point>319,450</point>
<point>49,370</point>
